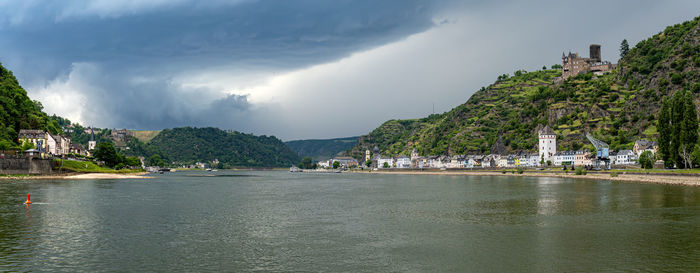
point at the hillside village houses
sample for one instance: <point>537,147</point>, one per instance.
<point>45,143</point>
<point>547,155</point>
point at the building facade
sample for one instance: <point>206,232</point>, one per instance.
<point>547,144</point>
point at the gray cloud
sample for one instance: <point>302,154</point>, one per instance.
<point>295,69</point>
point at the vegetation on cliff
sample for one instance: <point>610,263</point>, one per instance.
<point>618,107</point>
<point>18,111</point>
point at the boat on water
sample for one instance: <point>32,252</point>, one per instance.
<point>294,169</point>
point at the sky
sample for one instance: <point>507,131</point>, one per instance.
<point>309,69</point>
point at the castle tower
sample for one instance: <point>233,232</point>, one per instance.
<point>547,143</point>
<point>595,53</point>
<point>367,155</point>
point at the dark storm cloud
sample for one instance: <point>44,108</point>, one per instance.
<point>260,34</point>
<point>128,56</point>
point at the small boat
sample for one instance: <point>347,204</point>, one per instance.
<point>208,170</point>
<point>294,169</point>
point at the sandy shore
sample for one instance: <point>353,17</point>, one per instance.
<point>82,176</point>
<point>638,178</point>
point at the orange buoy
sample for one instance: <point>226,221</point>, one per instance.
<point>28,201</point>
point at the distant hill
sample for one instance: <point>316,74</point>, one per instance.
<point>233,149</point>
<point>322,149</point>
<point>504,117</point>
<point>18,111</point>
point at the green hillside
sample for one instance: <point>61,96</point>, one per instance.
<point>322,149</point>
<point>188,145</point>
<point>618,107</point>
<point>18,111</point>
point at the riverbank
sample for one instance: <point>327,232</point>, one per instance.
<point>78,176</point>
<point>673,179</point>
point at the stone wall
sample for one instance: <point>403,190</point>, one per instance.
<point>26,166</point>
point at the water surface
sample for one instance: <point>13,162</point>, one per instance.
<point>279,221</point>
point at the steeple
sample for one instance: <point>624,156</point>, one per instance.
<point>92,135</point>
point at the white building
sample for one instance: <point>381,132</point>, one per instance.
<point>324,164</point>
<point>625,157</point>
<point>403,162</point>
<point>534,160</point>
<point>388,160</point>
<point>547,143</point>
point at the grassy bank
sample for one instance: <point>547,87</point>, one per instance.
<point>88,167</point>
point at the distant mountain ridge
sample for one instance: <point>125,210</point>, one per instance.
<point>504,117</point>
<point>322,149</point>
<point>188,145</point>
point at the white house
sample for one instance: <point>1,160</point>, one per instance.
<point>625,157</point>
<point>503,162</point>
<point>324,164</point>
<point>388,160</point>
<point>403,162</point>
<point>642,145</point>
<point>547,143</point>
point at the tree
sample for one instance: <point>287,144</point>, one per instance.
<point>646,159</point>
<point>336,164</point>
<point>385,165</point>
<point>132,161</point>
<point>156,160</point>
<point>678,129</point>
<point>544,67</point>
<point>306,163</point>
<point>686,155</point>
<point>27,145</point>
<point>690,121</point>
<point>624,48</point>
<point>106,152</point>
<point>664,128</point>
<point>368,163</point>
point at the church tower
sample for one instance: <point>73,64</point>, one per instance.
<point>92,143</point>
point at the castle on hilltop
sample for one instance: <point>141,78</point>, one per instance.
<point>573,65</point>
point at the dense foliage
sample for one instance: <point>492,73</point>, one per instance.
<point>322,149</point>
<point>678,129</point>
<point>106,152</point>
<point>188,145</point>
<point>617,107</point>
<point>18,111</point>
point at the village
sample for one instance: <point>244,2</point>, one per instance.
<point>547,156</point>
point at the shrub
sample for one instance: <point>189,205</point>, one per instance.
<point>676,78</point>
<point>613,174</point>
<point>646,159</point>
<point>503,172</point>
<point>520,170</point>
<point>580,171</point>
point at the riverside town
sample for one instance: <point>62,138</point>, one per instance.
<point>349,136</point>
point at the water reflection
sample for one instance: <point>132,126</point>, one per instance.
<point>276,221</point>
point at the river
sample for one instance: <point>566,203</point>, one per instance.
<point>278,221</point>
